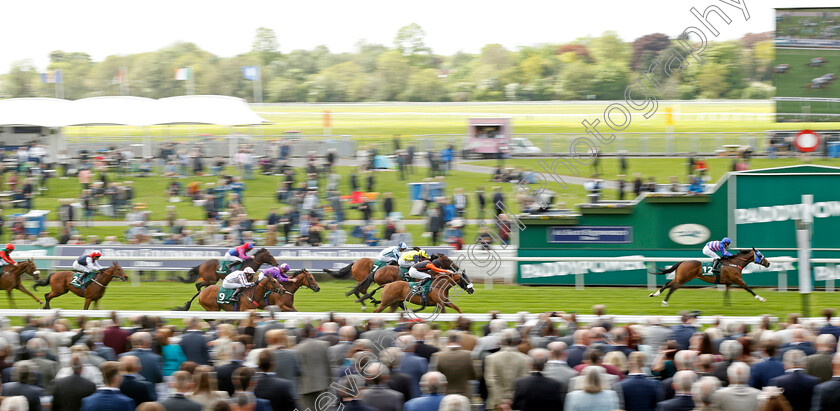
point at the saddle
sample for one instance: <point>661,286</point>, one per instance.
<point>77,279</point>
<point>226,295</point>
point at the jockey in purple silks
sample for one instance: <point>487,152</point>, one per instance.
<point>278,273</point>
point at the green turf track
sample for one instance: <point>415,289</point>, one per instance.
<point>162,296</point>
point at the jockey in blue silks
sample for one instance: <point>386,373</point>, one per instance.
<point>713,247</point>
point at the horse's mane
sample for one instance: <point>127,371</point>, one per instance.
<point>744,252</point>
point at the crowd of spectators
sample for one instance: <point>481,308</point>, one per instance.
<point>549,362</point>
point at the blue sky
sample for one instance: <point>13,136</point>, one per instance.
<point>31,29</point>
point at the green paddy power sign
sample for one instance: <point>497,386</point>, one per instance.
<point>755,208</point>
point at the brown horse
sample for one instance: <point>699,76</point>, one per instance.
<point>396,294</point>
<point>730,273</point>
<point>285,297</point>
<point>248,299</point>
<point>59,283</point>
<point>206,271</point>
<point>391,273</point>
<point>10,279</point>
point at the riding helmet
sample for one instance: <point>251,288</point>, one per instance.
<point>248,270</point>
<point>284,267</point>
<point>96,253</point>
<point>10,246</point>
<point>726,240</point>
<point>403,246</point>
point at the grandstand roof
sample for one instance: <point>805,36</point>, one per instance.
<point>127,110</point>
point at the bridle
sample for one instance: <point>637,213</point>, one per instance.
<point>108,272</point>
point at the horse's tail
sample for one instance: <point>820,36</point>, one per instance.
<point>660,271</point>
<point>186,307</point>
<point>362,285</point>
<point>369,295</point>
<point>192,275</point>
<point>342,273</point>
<point>43,282</point>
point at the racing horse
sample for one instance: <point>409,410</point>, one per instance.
<point>249,299</point>
<point>59,283</point>
<point>395,294</point>
<point>388,274</point>
<point>285,296</point>
<point>10,279</point>
<point>206,271</point>
<point>730,273</point>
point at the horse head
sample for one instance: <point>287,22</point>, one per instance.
<point>264,257</point>
<point>28,267</point>
<point>465,283</point>
<point>759,258</point>
<point>309,280</point>
<point>116,271</point>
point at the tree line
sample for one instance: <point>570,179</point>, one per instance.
<point>587,68</point>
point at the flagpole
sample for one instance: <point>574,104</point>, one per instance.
<point>258,86</point>
<point>190,81</point>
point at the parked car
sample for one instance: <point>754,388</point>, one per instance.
<point>523,146</point>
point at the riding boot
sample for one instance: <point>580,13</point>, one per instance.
<point>716,266</point>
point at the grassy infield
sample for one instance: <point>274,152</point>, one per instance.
<point>372,127</point>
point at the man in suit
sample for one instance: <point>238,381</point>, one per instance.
<point>574,354</point>
<point>827,394</point>
<point>419,331</point>
<point>468,340</point>
<point>819,363</point>
<point>411,364</point>
<point>771,367</point>
<point>622,339</point>
<point>133,384</point>
<point>398,381</point>
<point>315,367</point>
<point>109,397</point>
<point>69,391</point>
<point>456,364</point>
<point>433,385</point>
<point>151,363</point>
<point>798,386</point>
<point>731,350</point>
<point>114,336</point>
<point>557,368</point>
<point>683,331</point>
<point>799,342</point>
<point>682,401</point>
<point>243,381</point>
<point>194,345</point>
<point>272,388</point>
<point>638,391</point>
<point>351,388</point>
<point>287,363</point>
<point>329,333</point>
<point>655,334</point>
<point>40,364</point>
<point>738,396</point>
<point>830,328</point>
<point>224,372</point>
<point>378,395</point>
<point>536,391</point>
<point>263,329</point>
<point>182,383</point>
<point>503,368</point>
<point>703,393</point>
<point>338,351</point>
<point>25,387</point>
<point>381,337</point>
<point>684,361</point>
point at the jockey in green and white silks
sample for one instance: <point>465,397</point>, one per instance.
<point>239,280</point>
<point>390,255</point>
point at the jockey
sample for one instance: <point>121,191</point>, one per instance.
<point>410,258</point>
<point>5,258</point>
<point>717,246</point>
<point>239,280</point>
<point>87,264</point>
<point>278,273</point>
<point>390,255</point>
<point>237,255</point>
<point>421,270</point>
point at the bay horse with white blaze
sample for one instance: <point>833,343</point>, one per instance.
<point>730,274</point>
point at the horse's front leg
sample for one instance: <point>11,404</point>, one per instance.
<point>25,291</point>
<point>87,303</point>
<point>740,283</point>
<point>726,296</point>
<point>11,300</point>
